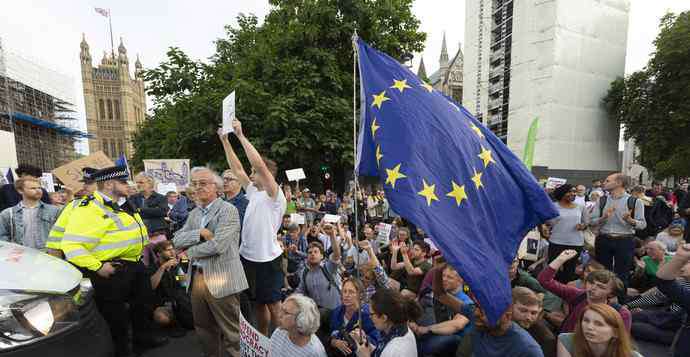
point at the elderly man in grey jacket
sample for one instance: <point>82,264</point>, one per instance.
<point>211,236</point>
<point>28,223</point>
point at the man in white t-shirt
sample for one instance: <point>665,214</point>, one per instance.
<point>260,250</point>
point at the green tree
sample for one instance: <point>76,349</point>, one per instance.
<point>293,79</point>
<point>654,104</point>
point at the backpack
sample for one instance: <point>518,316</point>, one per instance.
<point>325,273</point>
<point>658,217</point>
<point>631,205</point>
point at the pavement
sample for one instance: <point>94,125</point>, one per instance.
<point>188,346</point>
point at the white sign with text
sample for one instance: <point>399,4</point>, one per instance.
<point>295,174</point>
<point>228,113</point>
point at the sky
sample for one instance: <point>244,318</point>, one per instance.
<point>48,32</point>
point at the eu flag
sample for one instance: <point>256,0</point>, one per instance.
<point>448,174</point>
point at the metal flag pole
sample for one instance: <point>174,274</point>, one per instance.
<point>112,43</point>
<point>355,225</point>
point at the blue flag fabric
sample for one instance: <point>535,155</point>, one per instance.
<point>122,161</point>
<point>9,176</point>
<point>448,174</point>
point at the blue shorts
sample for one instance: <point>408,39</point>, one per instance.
<point>265,280</point>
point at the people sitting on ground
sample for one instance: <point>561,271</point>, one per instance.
<point>655,317</point>
<point>552,304</point>
<point>296,333</point>
<point>672,236</point>
<point>451,321</point>
<point>346,317</point>
<point>505,338</point>
<point>584,270</point>
<point>678,293</point>
<point>391,313</point>
<point>601,287</point>
<point>600,332</point>
<point>373,275</point>
<point>416,265</point>
<point>173,304</point>
<point>527,312</point>
<point>645,273</point>
<point>296,247</point>
<point>399,235</point>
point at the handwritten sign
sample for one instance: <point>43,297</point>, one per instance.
<point>164,188</point>
<point>553,182</point>
<point>47,182</point>
<point>295,174</point>
<point>252,342</point>
<point>228,113</point>
<point>296,218</point>
<point>384,230</point>
<point>70,174</point>
<point>169,171</point>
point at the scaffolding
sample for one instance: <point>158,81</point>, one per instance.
<point>36,106</point>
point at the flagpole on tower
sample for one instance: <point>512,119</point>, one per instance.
<point>112,43</point>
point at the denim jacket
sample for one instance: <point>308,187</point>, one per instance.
<point>12,223</point>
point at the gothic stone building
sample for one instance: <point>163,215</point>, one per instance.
<point>115,102</point>
<point>448,78</point>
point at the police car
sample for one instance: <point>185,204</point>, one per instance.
<point>47,307</point>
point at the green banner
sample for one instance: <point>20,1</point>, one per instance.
<point>528,154</point>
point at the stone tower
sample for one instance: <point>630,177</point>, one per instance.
<point>114,101</point>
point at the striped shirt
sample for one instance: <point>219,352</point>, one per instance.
<point>281,346</point>
<point>654,297</point>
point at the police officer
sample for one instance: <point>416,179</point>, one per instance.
<point>58,229</point>
<point>105,242</point>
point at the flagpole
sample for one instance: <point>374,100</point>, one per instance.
<point>110,23</point>
<point>354,145</point>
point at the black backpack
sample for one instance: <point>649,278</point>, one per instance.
<point>631,205</point>
<point>658,217</point>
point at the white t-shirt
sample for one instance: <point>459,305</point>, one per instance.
<point>281,346</point>
<point>262,219</point>
<point>404,346</point>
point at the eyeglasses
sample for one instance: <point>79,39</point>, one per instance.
<point>229,179</point>
<point>200,183</point>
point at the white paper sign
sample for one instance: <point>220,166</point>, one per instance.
<point>295,174</point>
<point>553,182</point>
<point>384,230</point>
<point>331,218</point>
<point>47,182</point>
<point>164,188</point>
<point>252,342</point>
<point>228,112</point>
<point>296,218</point>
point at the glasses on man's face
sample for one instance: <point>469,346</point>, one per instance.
<point>200,183</point>
<point>228,179</point>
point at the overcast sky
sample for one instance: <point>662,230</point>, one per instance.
<point>49,31</point>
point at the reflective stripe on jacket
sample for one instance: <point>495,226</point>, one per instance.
<point>95,232</point>
<point>58,230</point>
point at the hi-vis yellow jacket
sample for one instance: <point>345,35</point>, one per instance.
<point>96,233</point>
<point>58,230</point>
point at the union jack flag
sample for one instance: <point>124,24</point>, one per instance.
<point>104,12</point>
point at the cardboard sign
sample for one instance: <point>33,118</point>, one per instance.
<point>169,171</point>
<point>252,342</point>
<point>295,174</point>
<point>47,182</point>
<point>384,230</point>
<point>70,174</point>
<point>296,218</point>
<point>331,218</point>
<point>553,182</point>
<point>228,113</point>
<point>164,188</point>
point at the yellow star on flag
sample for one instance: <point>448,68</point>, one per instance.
<point>428,193</point>
<point>400,85</point>
<point>428,87</point>
<point>477,178</point>
<point>379,99</point>
<point>394,175</point>
<point>477,130</point>
<point>379,155</point>
<point>458,193</point>
<point>374,127</point>
<point>485,155</point>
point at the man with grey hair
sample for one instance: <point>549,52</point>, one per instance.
<point>618,215</point>
<point>211,236</point>
<point>296,333</point>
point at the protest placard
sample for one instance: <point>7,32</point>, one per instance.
<point>70,174</point>
<point>295,174</point>
<point>228,113</point>
<point>252,342</point>
<point>384,234</point>
<point>331,218</point>
<point>164,188</point>
<point>169,171</point>
<point>47,182</point>
<point>553,182</point>
<point>296,218</point>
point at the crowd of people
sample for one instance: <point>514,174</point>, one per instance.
<point>615,266</point>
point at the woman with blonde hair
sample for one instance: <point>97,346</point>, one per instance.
<point>600,332</point>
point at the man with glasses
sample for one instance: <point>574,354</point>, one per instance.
<point>261,253</point>
<point>233,193</point>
